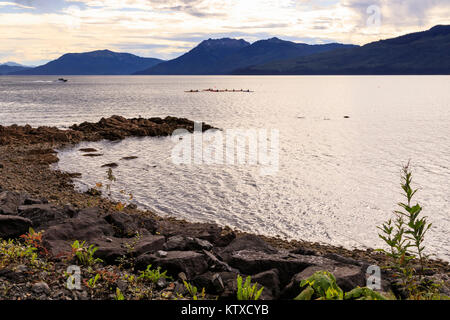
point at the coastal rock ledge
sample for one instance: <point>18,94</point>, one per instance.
<point>112,128</point>
<point>205,255</point>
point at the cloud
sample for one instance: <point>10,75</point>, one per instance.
<point>401,12</point>
<point>45,29</point>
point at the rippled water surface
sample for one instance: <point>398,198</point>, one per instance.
<point>338,178</point>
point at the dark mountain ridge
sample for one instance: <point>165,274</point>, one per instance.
<point>100,62</point>
<point>426,52</point>
<point>222,56</point>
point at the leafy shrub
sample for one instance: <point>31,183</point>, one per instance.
<point>34,239</point>
<point>14,252</point>
<point>153,275</point>
<point>405,237</point>
<point>192,290</point>
<point>322,286</point>
<point>84,253</point>
<point>246,291</point>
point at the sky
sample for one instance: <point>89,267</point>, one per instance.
<point>33,32</point>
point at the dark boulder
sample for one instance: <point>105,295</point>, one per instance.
<point>42,215</point>
<point>211,281</point>
<point>87,225</point>
<point>147,223</point>
<point>109,249</point>
<point>270,280</point>
<point>58,248</point>
<point>189,262</point>
<point>182,243</point>
<point>13,226</point>
<point>229,281</point>
<point>124,225</point>
<point>304,251</point>
<point>217,265</point>
<point>30,201</point>
<point>214,234</point>
<point>149,244</point>
<point>246,242</point>
<point>253,262</point>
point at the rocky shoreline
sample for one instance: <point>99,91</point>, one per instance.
<point>128,240</point>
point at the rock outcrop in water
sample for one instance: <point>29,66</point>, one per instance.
<point>112,128</point>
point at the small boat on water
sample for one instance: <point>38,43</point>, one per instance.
<point>62,80</point>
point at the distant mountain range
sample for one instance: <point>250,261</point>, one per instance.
<point>223,56</point>
<point>419,53</point>
<point>101,62</point>
<point>9,67</point>
<point>426,52</point>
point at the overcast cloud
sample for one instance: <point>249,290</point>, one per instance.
<point>34,31</point>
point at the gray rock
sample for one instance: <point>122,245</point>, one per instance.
<point>42,215</point>
<point>149,244</point>
<point>271,282</point>
<point>161,254</point>
<point>110,251</point>
<point>10,201</point>
<point>189,262</point>
<point>40,287</point>
<point>210,232</point>
<point>13,226</point>
<point>124,224</point>
<point>217,265</point>
<point>87,225</point>
<point>247,242</point>
<point>181,243</point>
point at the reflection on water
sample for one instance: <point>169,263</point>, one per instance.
<point>342,143</point>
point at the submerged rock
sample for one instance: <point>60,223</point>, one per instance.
<point>88,150</point>
<point>110,165</point>
<point>92,155</point>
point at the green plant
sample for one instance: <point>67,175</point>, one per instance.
<point>84,253</point>
<point>192,290</point>
<point>363,294</point>
<point>14,252</point>
<point>245,291</point>
<point>153,275</point>
<point>405,238</point>
<point>119,295</point>
<point>92,281</point>
<point>322,286</point>
<point>34,239</point>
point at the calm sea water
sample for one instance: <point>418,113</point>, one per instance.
<point>338,178</point>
